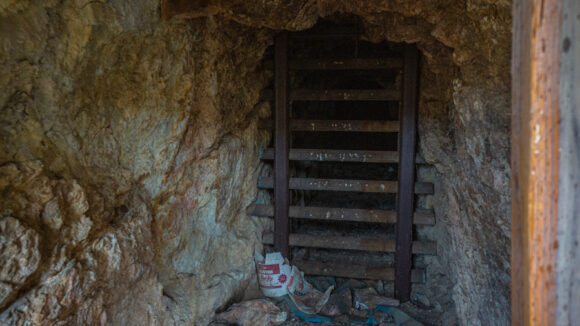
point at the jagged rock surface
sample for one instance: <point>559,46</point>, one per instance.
<point>128,156</point>
<point>464,124</point>
<point>130,147</point>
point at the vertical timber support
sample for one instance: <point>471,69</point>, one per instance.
<point>281,163</point>
<point>408,120</point>
<point>546,163</point>
<point>535,160</point>
<point>568,251</point>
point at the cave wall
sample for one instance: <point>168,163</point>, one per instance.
<point>130,149</point>
<point>464,119</point>
<point>128,154</point>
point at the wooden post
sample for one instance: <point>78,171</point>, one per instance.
<point>545,150</point>
<point>281,163</point>
<point>568,246</point>
<point>407,117</point>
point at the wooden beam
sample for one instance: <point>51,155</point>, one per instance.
<point>421,217</point>
<point>339,95</point>
<point>340,155</point>
<point>520,142</point>
<point>377,64</point>
<point>282,132</point>
<point>336,155</point>
<point>404,230</point>
<point>358,271</point>
<point>339,125</point>
<point>345,125</point>
<point>421,188</point>
<point>347,64</point>
<point>568,253</point>
<point>352,243</point>
<point>545,163</point>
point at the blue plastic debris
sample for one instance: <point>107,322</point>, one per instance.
<point>401,318</point>
<point>306,317</point>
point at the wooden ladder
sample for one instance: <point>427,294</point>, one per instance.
<point>405,187</point>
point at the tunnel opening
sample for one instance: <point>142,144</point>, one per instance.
<point>343,131</point>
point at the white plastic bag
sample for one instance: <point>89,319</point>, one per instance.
<point>277,278</point>
<point>274,274</point>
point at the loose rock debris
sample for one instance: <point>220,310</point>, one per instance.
<point>337,311</point>
<point>259,312</point>
<point>294,301</point>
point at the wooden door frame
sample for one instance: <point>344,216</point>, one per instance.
<point>545,149</point>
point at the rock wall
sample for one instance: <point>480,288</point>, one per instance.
<point>464,124</point>
<point>128,156</point>
<point>130,147</point>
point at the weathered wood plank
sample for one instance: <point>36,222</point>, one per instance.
<point>352,243</point>
<point>568,255</point>
<point>358,271</point>
<point>347,64</point>
<point>421,188</point>
<point>420,217</point>
<point>281,141</point>
<point>424,217</point>
<point>339,95</point>
<point>339,125</point>
<point>406,174</point>
<point>535,161</point>
<point>377,64</point>
<point>334,155</point>
<point>345,95</point>
<point>338,155</point>
<point>345,125</point>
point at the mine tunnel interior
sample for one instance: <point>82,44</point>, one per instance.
<point>340,41</point>
<point>137,167</point>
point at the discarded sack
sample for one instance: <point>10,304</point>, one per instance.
<point>309,300</point>
<point>368,299</point>
<point>277,278</point>
<point>274,274</point>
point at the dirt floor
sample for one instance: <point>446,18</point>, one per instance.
<point>426,317</point>
<point>343,303</point>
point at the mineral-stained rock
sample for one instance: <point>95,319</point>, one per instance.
<point>129,151</point>
<point>19,254</point>
<point>51,216</point>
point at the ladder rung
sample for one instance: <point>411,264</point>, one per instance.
<point>340,155</point>
<point>343,64</point>
<point>336,155</point>
<point>347,64</point>
<point>421,217</point>
<point>345,125</point>
<point>339,125</point>
<point>338,95</point>
<point>351,243</point>
<point>422,188</point>
<point>360,271</point>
